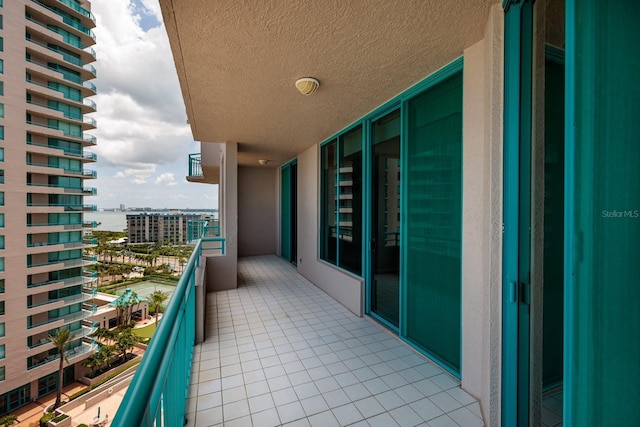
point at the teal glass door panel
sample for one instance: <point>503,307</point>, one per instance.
<point>602,345</point>
<point>289,211</point>
<point>349,201</point>
<point>516,241</point>
<point>328,206</point>
<point>293,214</point>
<point>285,213</point>
<point>434,221</point>
<point>553,258</point>
<point>385,218</point>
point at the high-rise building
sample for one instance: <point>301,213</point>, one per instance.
<point>159,228</point>
<point>45,73</point>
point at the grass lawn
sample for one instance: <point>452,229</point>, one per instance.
<point>147,331</point>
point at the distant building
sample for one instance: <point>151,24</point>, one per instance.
<point>121,206</point>
<point>156,227</point>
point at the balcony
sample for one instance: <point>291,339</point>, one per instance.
<point>280,350</point>
<point>69,318</point>
<point>68,300</point>
<point>204,167</point>
<point>86,278</point>
<point>83,349</point>
<point>49,31</point>
<point>195,166</point>
<point>70,22</point>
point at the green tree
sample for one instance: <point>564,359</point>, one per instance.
<point>126,339</point>
<point>104,335</point>
<point>107,352</point>
<point>92,363</point>
<point>60,341</point>
<point>125,305</point>
<point>156,299</point>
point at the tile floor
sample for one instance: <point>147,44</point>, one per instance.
<point>279,351</point>
<point>552,410</point>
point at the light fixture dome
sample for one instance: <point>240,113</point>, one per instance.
<point>307,85</point>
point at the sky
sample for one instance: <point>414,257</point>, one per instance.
<point>143,136</point>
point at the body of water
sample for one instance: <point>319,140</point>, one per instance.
<point>116,221</point>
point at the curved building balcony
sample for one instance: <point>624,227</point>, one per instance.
<point>65,18</point>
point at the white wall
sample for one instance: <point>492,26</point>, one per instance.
<point>257,220</point>
<point>482,218</point>
<point>344,287</point>
<point>222,271</point>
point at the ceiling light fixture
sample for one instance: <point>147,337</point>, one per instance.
<point>307,85</point>
<point>263,162</point>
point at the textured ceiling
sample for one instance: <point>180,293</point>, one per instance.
<point>237,62</point>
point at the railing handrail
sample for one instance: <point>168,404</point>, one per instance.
<point>68,21</point>
<point>72,281</point>
<point>148,382</point>
<point>69,58</point>
<point>65,95</point>
<point>195,164</point>
<point>79,45</point>
<point>66,114</point>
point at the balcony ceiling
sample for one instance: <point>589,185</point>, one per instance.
<point>237,63</point>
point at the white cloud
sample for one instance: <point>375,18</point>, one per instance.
<point>166,178</point>
<point>142,133</point>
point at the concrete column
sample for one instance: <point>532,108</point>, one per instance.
<point>222,271</point>
<point>482,218</point>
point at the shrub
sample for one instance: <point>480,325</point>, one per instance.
<point>46,418</point>
<point>99,383</point>
<point>82,425</point>
<point>60,418</point>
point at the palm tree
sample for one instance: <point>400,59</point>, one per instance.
<point>104,334</point>
<point>60,341</point>
<point>107,352</point>
<point>156,299</point>
<point>126,340</point>
<point>92,363</point>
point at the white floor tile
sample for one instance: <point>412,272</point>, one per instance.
<point>279,351</point>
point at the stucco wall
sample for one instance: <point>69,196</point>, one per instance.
<point>345,288</point>
<point>222,271</point>
<point>482,218</point>
<point>256,211</point>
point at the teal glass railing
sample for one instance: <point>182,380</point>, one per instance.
<point>89,138</point>
<point>90,103</point>
<point>158,392</point>
<point>68,20</point>
<point>195,165</point>
<point>195,229</point>
<point>73,5</point>
<point>71,281</point>
<point>70,77</point>
<point>91,69</point>
<point>66,95</point>
<point>65,132</point>
<point>68,58</point>
<point>90,121</point>
<point>66,113</point>
<point>90,86</point>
